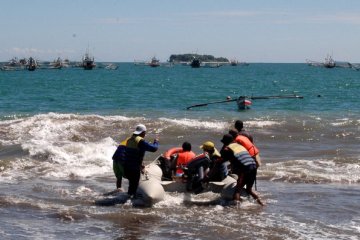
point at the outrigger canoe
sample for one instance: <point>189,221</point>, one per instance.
<point>245,102</point>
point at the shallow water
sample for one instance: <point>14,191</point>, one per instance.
<point>59,129</point>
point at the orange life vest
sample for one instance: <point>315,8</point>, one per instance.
<point>172,151</point>
<point>183,159</point>
<point>247,144</point>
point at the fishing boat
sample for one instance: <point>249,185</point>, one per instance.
<point>111,66</point>
<point>56,64</point>
<point>313,63</point>
<point>329,62</point>
<point>195,63</point>
<point>88,62</point>
<point>32,64</point>
<point>154,62</point>
<point>14,64</point>
<point>234,62</point>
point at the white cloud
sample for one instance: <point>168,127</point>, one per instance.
<point>344,18</point>
<point>285,17</point>
<point>230,13</point>
<point>112,21</point>
<point>39,53</point>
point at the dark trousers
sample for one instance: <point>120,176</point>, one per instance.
<point>246,177</point>
<point>133,175</point>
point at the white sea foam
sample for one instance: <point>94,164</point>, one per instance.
<point>341,122</point>
<point>316,171</point>
<point>195,123</point>
<point>58,146</point>
<point>262,123</point>
<point>76,159</point>
<point>170,200</point>
<point>219,125</point>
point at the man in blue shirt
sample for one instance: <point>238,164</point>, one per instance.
<point>129,156</point>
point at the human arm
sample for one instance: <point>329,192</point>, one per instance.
<point>148,147</point>
<point>257,160</point>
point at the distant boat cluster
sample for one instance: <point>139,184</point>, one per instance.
<point>31,64</point>
<point>331,63</point>
<point>88,63</point>
<point>195,62</point>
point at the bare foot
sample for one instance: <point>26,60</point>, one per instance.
<point>260,202</point>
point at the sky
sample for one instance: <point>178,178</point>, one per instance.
<point>126,30</point>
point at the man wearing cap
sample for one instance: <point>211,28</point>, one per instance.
<point>205,167</point>
<point>217,170</point>
<point>128,158</point>
<point>242,164</point>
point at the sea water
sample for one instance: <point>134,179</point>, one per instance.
<point>59,129</point>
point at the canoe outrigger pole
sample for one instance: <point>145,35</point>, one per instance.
<point>244,102</point>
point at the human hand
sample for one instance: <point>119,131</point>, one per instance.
<point>206,179</point>
<point>142,169</point>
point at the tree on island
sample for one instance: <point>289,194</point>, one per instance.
<point>188,57</point>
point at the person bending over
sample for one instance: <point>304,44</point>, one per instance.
<point>242,164</point>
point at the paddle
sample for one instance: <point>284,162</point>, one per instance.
<point>245,97</point>
<point>205,104</point>
<point>278,96</point>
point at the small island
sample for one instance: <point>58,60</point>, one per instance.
<point>188,57</point>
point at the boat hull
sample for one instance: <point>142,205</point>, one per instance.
<point>243,103</point>
<point>152,188</point>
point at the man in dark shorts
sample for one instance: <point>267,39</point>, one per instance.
<point>242,164</point>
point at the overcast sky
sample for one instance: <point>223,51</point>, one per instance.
<point>128,30</point>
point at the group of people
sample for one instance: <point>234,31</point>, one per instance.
<point>195,169</point>
<point>238,156</point>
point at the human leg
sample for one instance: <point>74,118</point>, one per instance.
<point>249,181</point>
<point>119,173</point>
<point>133,176</point>
<point>239,186</point>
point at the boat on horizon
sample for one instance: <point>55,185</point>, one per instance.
<point>32,64</point>
<point>56,64</point>
<point>195,63</point>
<point>111,66</point>
<point>154,62</point>
<point>88,62</point>
<point>329,62</point>
<point>234,62</point>
<point>14,64</point>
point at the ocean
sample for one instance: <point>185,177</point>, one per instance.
<point>59,129</point>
